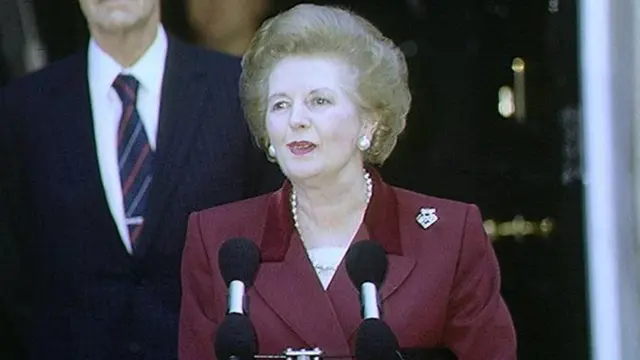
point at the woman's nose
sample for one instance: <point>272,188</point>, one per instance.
<point>299,117</point>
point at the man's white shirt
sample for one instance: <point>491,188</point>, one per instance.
<point>106,108</point>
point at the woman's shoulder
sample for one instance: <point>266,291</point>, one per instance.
<point>411,199</point>
<point>455,224</point>
<point>233,209</point>
<point>244,218</point>
<point>448,215</point>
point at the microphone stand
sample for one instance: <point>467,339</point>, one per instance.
<point>297,354</point>
<point>302,354</point>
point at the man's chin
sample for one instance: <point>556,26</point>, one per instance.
<point>117,21</point>
<point>115,26</point>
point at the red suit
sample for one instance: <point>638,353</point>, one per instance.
<point>442,287</point>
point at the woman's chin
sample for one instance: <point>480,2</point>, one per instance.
<point>300,171</point>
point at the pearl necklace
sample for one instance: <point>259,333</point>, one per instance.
<point>294,200</point>
<point>294,213</point>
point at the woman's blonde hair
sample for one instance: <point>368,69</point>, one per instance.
<point>310,30</point>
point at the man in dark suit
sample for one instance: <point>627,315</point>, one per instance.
<point>110,150</point>
<point>11,346</point>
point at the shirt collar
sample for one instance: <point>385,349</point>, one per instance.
<point>148,70</point>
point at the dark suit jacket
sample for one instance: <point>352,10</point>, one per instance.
<point>11,345</point>
<point>90,299</point>
<point>442,286</point>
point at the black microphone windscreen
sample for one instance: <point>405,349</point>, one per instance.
<point>376,341</point>
<point>239,259</point>
<point>366,261</point>
<point>236,337</point>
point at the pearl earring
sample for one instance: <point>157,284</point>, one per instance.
<point>363,143</point>
<point>271,151</point>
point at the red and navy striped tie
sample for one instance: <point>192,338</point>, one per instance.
<point>135,157</point>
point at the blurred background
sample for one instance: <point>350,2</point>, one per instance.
<point>496,120</point>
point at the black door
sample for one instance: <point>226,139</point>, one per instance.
<point>469,138</point>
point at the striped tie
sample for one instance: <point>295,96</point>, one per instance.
<point>135,157</point>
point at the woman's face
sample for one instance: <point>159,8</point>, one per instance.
<point>311,121</point>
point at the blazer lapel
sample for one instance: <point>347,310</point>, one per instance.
<point>72,109</point>
<point>347,299</point>
<point>399,269</point>
<point>343,292</point>
<point>381,224</point>
<point>181,107</point>
<point>292,289</point>
<point>289,285</point>
<point>286,272</point>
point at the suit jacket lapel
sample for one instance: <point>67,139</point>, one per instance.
<point>382,220</point>
<point>72,109</point>
<point>182,100</point>
<point>384,224</point>
<point>288,283</point>
<point>347,298</point>
<point>286,272</point>
<point>292,289</point>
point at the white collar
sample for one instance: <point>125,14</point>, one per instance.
<point>148,70</point>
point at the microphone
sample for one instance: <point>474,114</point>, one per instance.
<point>376,341</point>
<point>367,263</point>
<point>238,259</point>
<point>236,338</point>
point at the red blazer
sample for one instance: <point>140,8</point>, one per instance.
<point>442,286</point>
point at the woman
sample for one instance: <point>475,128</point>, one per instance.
<point>326,96</point>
